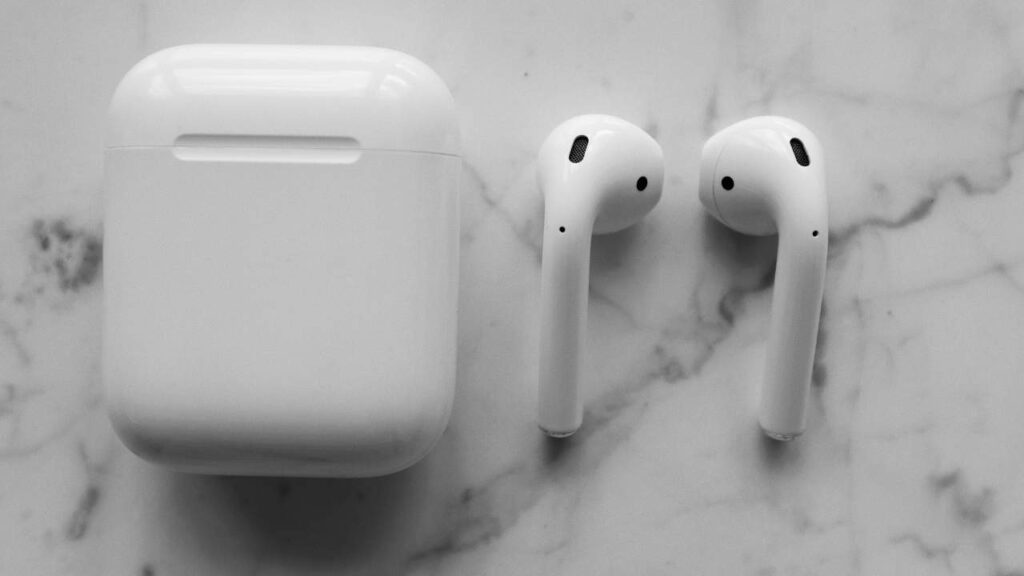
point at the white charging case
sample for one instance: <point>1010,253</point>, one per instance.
<point>281,259</point>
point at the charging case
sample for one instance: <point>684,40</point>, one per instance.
<point>281,259</point>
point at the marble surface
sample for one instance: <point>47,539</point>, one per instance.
<point>913,462</point>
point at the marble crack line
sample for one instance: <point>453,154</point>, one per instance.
<point>13,336</point>
<point>78,523</point>
<point>520,230</point>
<point>670,369</point>
<point>919,211</point>
<point>971,511</point>
<point>522,233</point>
<point>480,525</point>
<point>477,523</point>
<point>925,550</point>
<point>15,397</point>
<point>895,103</point>
<point>92,404</point>
<point>596,296</point>
<point>998,269</point>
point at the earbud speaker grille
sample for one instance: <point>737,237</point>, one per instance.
<point>579,149</point>
<point>799,152</point>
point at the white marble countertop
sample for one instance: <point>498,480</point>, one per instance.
<point>914,460</point>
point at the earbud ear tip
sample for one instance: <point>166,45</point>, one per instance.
<point>708,163</point>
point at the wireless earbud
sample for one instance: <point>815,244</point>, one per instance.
<point>599,174</point>
<point>762,176</point>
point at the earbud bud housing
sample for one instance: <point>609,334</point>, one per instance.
<point>756,171</point>
<point>281,259</point>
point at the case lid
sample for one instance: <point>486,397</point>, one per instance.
<point>366,98</point>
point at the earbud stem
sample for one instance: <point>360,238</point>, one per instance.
<point>796,309</point>
<point>565,273</point>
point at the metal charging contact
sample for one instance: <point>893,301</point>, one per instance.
<point>556,434</point>
<point>780,436</point>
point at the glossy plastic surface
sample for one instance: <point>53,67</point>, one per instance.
<point>284,309</point>
<point>767,192</point>
<point>599,194</point>
<point>299,96</point>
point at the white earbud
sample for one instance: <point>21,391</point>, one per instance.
<point>599,174</point>
<point>762,176</point>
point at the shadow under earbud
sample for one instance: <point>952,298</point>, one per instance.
<point>556,450</point>
<point>612,250</point>
<point>739,251</point>
<point>776,455</point>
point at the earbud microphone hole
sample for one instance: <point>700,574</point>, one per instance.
<point>561,229</point>
<point>815,233</point>
<point>727,183</point>
<point>641,183</point>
